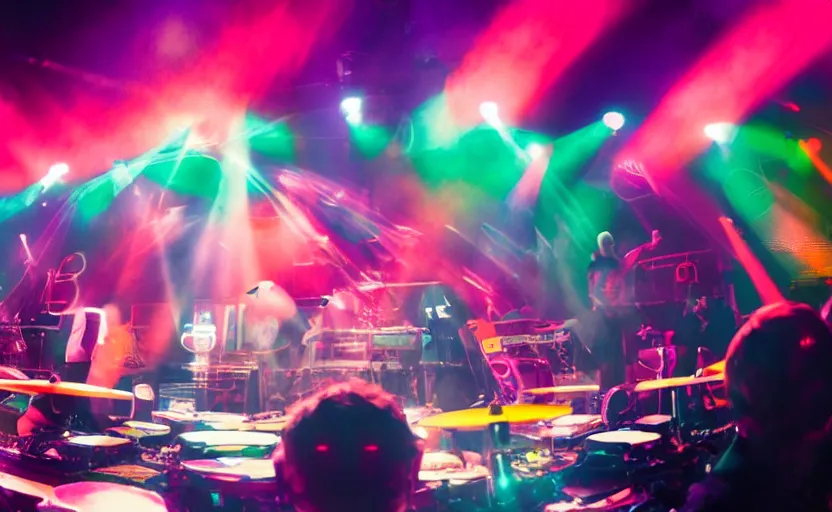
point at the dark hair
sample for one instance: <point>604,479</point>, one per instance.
<point>348,447</point>
<point>778,369</point>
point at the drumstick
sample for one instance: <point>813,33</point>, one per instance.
<point>579,388</point>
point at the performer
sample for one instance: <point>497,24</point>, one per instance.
<point>96,351</point>
<point>607,274</point>
<point>705,323</point>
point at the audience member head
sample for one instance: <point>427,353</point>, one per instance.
<point>778,375</point>
<point>349,447</point>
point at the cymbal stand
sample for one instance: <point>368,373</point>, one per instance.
<point>502,486</point>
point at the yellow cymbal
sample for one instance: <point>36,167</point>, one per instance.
<point>714,369</point>
<point>45,387</point>
<point>676,382</point>
<point>475,419</point>
<point>564,390</point>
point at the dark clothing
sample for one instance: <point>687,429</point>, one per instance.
<point>714,333</point>
<point>604,282</point>
<point>60,410</point>
<point>607,334</point>
<point>608,348</point>
<point>742,481</point>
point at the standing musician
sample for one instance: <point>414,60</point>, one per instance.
<point>779,384</point>
<point>607,275</point>
<point>98,347</point>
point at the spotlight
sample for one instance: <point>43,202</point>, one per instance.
<point>58,170</point>
<point>351,108</point>
<point>55,173</point>
<point>490,112</point>
<point>613,120</point>
<point>721,133</point>
<point>813,146</point>
<point>534,151</point>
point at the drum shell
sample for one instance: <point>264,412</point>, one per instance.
<point>197,492</point>
<point>92,457</point>
<point>431,495</point>
<point>612,456</point>
<point>205,449</point>
<point>145,438</point>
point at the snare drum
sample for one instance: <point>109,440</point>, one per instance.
<point>446,472</point>
<point>621,447</point>
<point>97,451</point>
<point>146,434</point>
<point>228,482</point>
<point>212,444</point>
<point>447,467</point>
<point>567,432</point>
<point>657,423</point>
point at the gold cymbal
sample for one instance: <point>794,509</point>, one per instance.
<point>476,419</point>
<point>45,387</point>
<point>714,369</point>
<point>564,390</point>
<point>676,382</point>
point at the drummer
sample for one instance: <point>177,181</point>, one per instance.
<point>779,383</point>
<point>349,447</point>
<point>97,348</point>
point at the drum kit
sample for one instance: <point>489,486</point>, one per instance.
<point>578,462</point>
<point>534,456</point>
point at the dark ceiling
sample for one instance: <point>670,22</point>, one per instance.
<point>402,47</point>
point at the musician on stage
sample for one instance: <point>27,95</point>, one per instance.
<point>780,387</point>
<point>98,346</point>
<point>607,275</point>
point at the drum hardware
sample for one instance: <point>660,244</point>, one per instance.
<point>210,444</point>
<point>147,435</point>
<point>12,346</point>
<point>568,432</point>
<point>620,404</point>
<point>620,470</point>
<point>96,451</point>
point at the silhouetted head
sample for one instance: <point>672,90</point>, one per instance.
<point>349,447</point>
<point>778,374</point>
